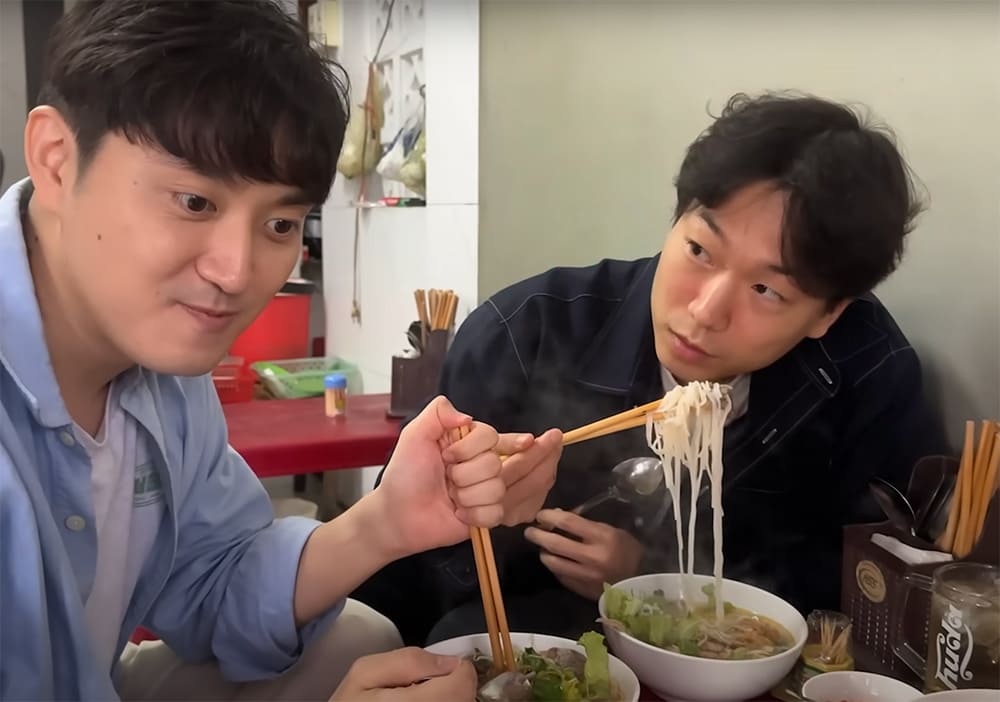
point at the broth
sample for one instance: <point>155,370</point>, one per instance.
<point>672,625</point>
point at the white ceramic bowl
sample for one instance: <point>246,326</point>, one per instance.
<point>963,696</point>
<point>466,646</point>
<point>855,686</point>
<point>674,676</point>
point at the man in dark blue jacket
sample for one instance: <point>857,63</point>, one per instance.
<point>790,210</point>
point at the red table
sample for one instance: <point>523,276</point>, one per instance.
<point>290,437</point>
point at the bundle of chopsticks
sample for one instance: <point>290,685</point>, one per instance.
<point>435,310</point>
<point>482,545</point>
<point>974,488</point>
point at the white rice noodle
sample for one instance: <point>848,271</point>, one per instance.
<point>686,433</point>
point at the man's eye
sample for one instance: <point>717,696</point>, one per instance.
<point>195,204</point>
<point>697,250</point>
<point>767,292</point>
<point>284,227</point>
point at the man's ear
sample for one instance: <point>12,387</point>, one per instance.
<point>823,324</point>
<point>50,153</point>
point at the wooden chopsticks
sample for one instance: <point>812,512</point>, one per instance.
<point>489,586</point>
<point>974,487</point>
<point>435,309</point>
<point>482,544</point>
<point>421,299</point>
<point>628,419</point>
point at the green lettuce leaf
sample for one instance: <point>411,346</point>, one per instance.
<point>596,671</point>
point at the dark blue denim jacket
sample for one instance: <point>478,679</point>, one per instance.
<point>575,344</point>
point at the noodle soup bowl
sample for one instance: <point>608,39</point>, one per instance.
<point>683,678</point>
<point>857,686</point>
<point>464,646</point>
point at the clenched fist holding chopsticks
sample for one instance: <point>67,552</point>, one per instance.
<point>432,491</point>
<point>434,488</point>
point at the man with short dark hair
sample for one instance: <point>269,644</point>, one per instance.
<point>790,210</point>
<point>175,153</point>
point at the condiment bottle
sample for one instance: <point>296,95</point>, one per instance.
<point>335,386</point>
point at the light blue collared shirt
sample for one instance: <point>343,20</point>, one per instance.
<point>219,582</point>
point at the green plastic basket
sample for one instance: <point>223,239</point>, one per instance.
<point>295,378</point>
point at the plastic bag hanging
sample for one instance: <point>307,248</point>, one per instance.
<point>401,147</point>
<point>362,143</point>
<point>413,172</point>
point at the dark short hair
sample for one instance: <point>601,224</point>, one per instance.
<point>851,200</point>
<point>232,87</point>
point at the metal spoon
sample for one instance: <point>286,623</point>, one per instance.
<point>923,513</point>
<point>633,477</point>
<point>413,335</point>
<point>895,505</point>
<point>936,521</point>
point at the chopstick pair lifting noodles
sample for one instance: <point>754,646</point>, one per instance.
<point>629,419</point>
<point>482,545</point>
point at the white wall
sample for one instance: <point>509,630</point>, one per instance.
<point>402,249</point>
<point>13,89</point>
<point>13,100</point>
<point>585,123</point>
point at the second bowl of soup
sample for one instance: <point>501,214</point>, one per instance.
<point>682,649</point>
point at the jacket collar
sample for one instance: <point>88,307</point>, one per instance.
<point>23,351</point>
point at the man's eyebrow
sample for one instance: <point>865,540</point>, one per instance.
<point>296,198</point>
<point>708,219</point>
<point>168,159</point>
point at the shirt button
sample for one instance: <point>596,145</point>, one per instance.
<point>76,523</point>
<point>67,438</point>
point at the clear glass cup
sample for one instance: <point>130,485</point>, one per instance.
<point>963,634</point>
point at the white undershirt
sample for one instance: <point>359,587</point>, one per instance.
<point>128,507</point>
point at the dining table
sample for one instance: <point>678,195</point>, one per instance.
<point>295,437</point>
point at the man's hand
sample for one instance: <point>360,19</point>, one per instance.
<point>434,489</point>
<point>408,674</point>
<point>603,554</point>
<point>529,473</point>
